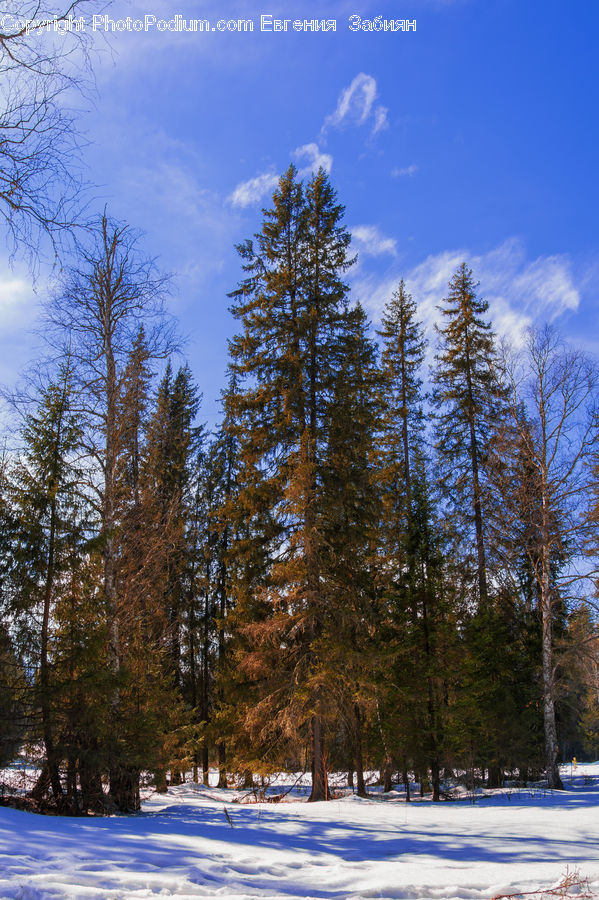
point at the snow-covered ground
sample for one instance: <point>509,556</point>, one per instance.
<point>195,842</point>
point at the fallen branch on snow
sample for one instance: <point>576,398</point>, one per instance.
<point>571,885</point>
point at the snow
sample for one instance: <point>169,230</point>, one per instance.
<point>195,842</point>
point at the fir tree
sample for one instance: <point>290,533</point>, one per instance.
<point>50,532</point>
<point>402,357</point>
<point>292,308</point>
<point>142,542</point>
<point>412,574</point>
<point>467,398</point>
<point>349,555</point>
<point>169,477</point>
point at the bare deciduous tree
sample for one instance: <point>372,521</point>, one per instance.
<point>95,317</point>
<point>40,178</point>
<point>553,405</point>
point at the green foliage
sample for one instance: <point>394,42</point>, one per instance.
<point>14,700</point>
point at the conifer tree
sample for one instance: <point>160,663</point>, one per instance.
<point>14,698</point>
<point>466,397</point>
<point>46,486</point>
<point>413,576</point>
<point>292,310</point>
<point>142,542</point>
<point>351,519</point>
<point>402,358</point>
<point>222,462</point>
<point>170,466</point>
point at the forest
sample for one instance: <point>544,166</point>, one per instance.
<point>382,559</point>
<point>368,565</point>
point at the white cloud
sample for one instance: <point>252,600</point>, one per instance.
<point>250,193</point>
<point>371,241</point>
<point>316,159</point>
<point>520,291</point>
<point>17,299</point>
<point>356,106</point>
<point>253,191</point>
<point>548,283</point>
<point>408,171</point>
<point>380,119</point>
<point>19,309</point>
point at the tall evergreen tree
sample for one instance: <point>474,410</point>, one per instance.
<point>350,639</point>
<point>292,309</point>
<point>142,542</point>
<point>417,623</point>
<point>466,397</point>
<point>46,491</point>
<point>402,358</point>
<point>170,466</point>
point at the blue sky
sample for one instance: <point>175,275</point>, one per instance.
<point>474,137</point>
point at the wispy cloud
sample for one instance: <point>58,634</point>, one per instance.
<point>371,241</point>
<point>406,172</point>
<point>520,291</point>
<point>252,192</point>
<point>357,106</point>
<point>380,119</point>
<point>316,159</point>
<point>17,299</point>
<point>248,193</point>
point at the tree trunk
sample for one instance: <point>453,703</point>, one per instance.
<point>478,515</point>
<point>44,663</point>
<point>361,787</point>
<point>160,781</point>
<point>387,775</point>
<point>320,782</point>
<point>222,765</point>
<point>124,789</point>
<point>205,766</point>
<point>72,797</point>
<point>436,781</point>
<point>495,779</point>
<point>388,767</point>
<point>551,745</point>
<point>108,529</point>
<point>92,793</point>
<point>42,785</point>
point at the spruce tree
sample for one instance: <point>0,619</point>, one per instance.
<point>142,542</point>
<point>402,358</point>
<point>350,639</point>
<point>466,397</point>
<point>292,310</point>
<point>416,626</point>
<point>169,476</point>
<point>169,468</point>
<point>46,487</point>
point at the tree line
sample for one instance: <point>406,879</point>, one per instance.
<point>366,566</point>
